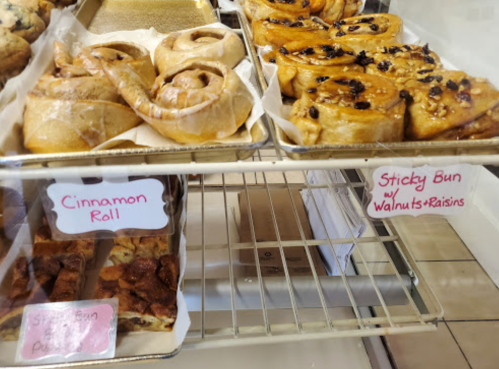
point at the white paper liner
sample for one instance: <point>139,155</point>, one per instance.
<point>130,343</point>
<point>71,33</point>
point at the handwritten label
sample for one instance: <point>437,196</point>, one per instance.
<point>423,190</point>
<point>109,206</point>
<point>61,331</point>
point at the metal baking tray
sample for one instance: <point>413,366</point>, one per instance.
<point>345,151</point>
<point>102,16</point>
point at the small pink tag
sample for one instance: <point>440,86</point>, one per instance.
<point>66,331</point>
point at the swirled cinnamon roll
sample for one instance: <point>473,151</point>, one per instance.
<point>20,21</point>
<point>193,102</point>
<point>451,105</point>
<point>349,108</point>
<point>335,10</point>
<point>367,32</point>
<point>302,63</point>
<point>279,31</point>
<point>401,63</point>
<point>262,9</point>
<point>76,107</point>
<point>213,43</point>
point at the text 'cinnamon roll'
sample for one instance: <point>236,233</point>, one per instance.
<point>194,102</point>
<point>349,108</point>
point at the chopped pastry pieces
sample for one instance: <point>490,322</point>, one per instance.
<point>347,108</point>
<point>214,43</point>
<point>146,289</point>
<point>126,249</point>
<point>367,32</point>
<point>43,279</point>
<point>302,63</point>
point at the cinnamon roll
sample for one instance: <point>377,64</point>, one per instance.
<point>20,21</point>
<point>451,105</point>
<point>193,102</point>
<point>76,107</point>
<point>367,32</point>
<point>278,31</point>
<point>401,63</point>
<point>348,108</point>
<point>15,53</point>
<point>301,63</point>
<point>335,10</point>
<point>262,9</point>
<point>213,43</point>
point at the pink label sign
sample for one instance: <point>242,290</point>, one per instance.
<point>422,190</point>
<point>63,332</point>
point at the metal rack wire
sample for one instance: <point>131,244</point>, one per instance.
<point>235,310</point>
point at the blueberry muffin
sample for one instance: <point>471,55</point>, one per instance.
<point>14,55</point>
<point>20,21</point>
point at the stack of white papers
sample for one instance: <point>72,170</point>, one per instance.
<point>337,225</point>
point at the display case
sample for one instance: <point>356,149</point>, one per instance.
<point>247,239</point>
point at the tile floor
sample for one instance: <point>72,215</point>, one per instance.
<point>468,336</point>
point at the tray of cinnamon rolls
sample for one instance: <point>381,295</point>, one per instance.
<point>181,96</point>
<point>340,83</point>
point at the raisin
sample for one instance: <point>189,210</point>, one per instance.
<point>321,79</point>
<point>275,21</point>
<point>305,3</point>
<point>362,105</point>
<point>327,48</point>
<point>384,65</point>
<point>340,34</point>
<point>308,51</point>
<point>435,91</point>
<point>366,20</point>
<point>353,28</point>
<point>119,57</point>
<point>426,49</point>
<point>18,23</point>
<point>427,79</point>
<point>466,83</point>
<point>272,60</point>
<point>404,94</point>
<point>429,59</point>
<point>57,70</point>
<point>338,24</point>
<point>407,47</point>
<point>394,50</point>
<point>385,50</point>
<point>374,27</point>
<point>300,18</point>
<point>464,96</point>
<point>340,52</point>
<point>342,82</point>
<point>331,54</point>
<point>349,52</point>
<point>424,71</point>
<point>451,85</point>
<point>286,22</point>
<point>314,113</point>
<point>283,51</point>
<point>356,88</point>
<point>363,60</point>
<point>297,24</point>
<point>439,78</point>
<point>312,90</point>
